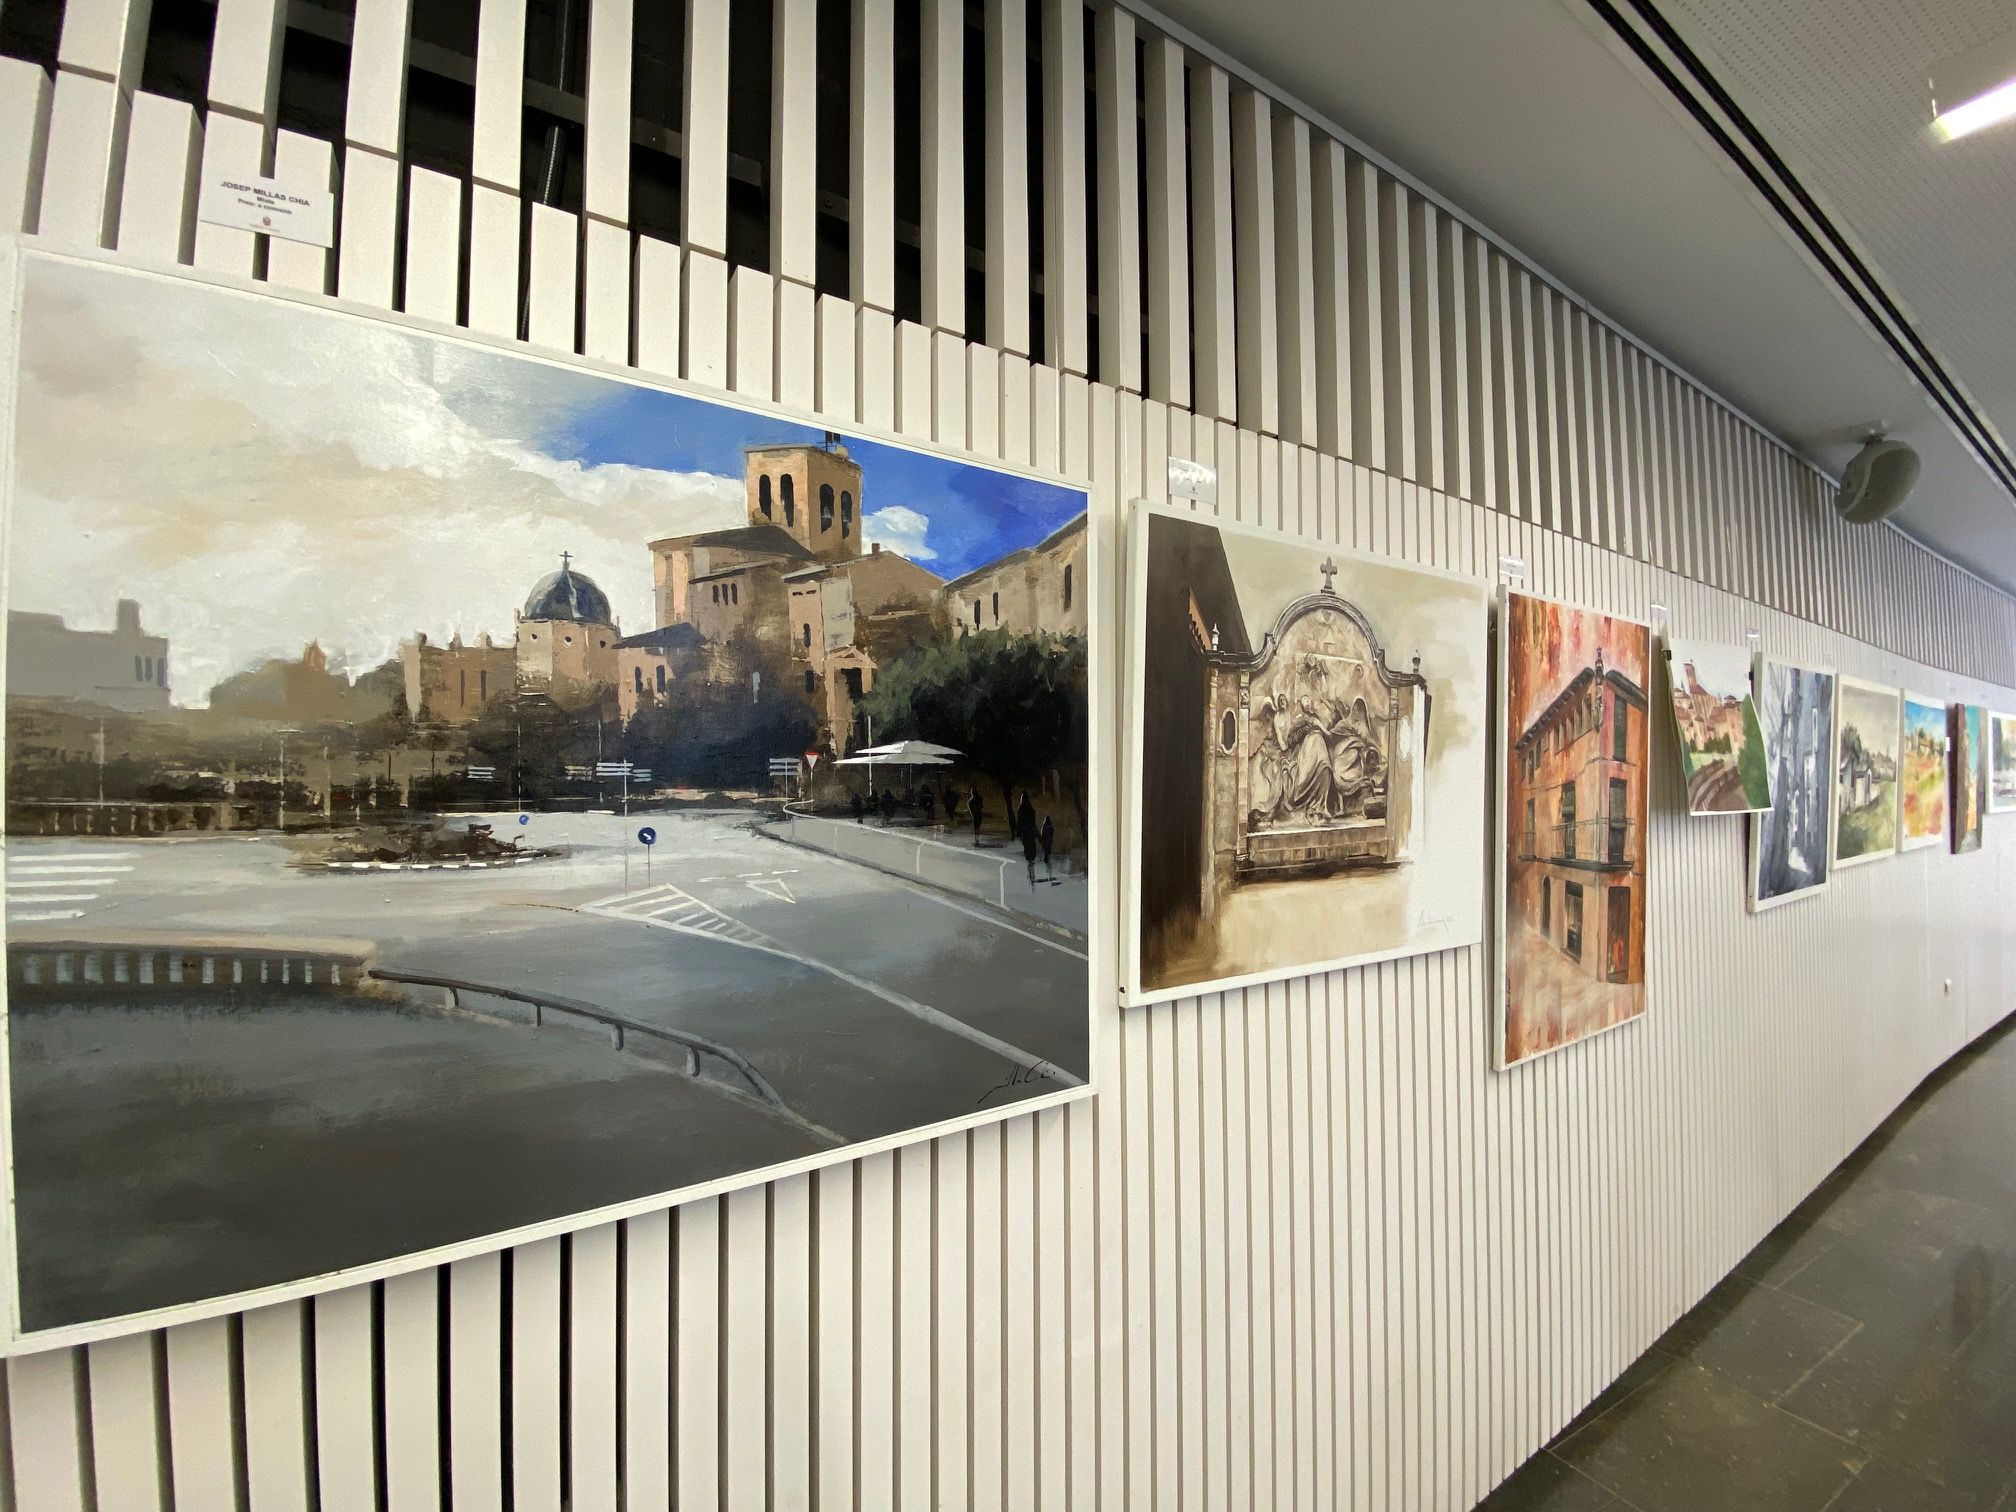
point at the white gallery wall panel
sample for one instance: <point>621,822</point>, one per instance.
<point>1305,1249</point>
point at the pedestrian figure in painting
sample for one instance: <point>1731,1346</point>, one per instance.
<point>860,808</point>
<point>1025,820</point>
<point>888,808</point>
<point>930,802</point>
<point>975,807</point>
<point>1028,828</point>
<point>1049,839</point>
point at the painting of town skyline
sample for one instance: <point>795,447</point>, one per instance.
<point>1791,842</point>
<point>1865,773</point>
<point>1923,773</point>
<point>1968,752</point>
<point>1310,749</point>
<point>449,793</point>
<point>1572,841</point>
<point>1721,745</point>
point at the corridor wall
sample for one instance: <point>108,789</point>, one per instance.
<point>1305,1249</point>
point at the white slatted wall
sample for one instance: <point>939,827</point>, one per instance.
<point>1304,1250</point>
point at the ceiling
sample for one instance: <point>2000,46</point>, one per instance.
<point>1536,122</point>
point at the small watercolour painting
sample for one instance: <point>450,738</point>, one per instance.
<point>1969,755</point>
<point>448,809</point>
<point>2001,763</point>
<point>1790,849</point>
<point>1573,788</point>
<point>1865,773</point>
<point>1721,746</point>
<point>1310,730</point>
<point>1922,774</point>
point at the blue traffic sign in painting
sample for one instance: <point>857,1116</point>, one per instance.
<point>524,818</point>
<point>648,835</point>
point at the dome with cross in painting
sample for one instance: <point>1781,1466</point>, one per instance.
<point>568,595</point>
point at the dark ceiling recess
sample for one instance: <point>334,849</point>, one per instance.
<point>1681,71</point>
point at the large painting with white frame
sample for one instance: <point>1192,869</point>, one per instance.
<point>456,795</point>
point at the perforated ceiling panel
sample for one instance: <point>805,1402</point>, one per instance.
<point>1839,88</point>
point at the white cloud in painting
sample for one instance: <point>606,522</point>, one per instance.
<point>900,529</point>
<point>258,477</point>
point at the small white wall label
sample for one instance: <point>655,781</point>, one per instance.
<point>1193,480</point>
<point>299,212</point>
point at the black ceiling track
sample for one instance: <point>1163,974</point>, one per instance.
<point>1680,69</point>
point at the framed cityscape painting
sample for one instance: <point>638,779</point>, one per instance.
<point>1791,850</point>
<point>1721,746</point>
<point>1308,757</point>
<point>1923,772</point>
<point>456,795</point>
<point>1573,790</point>
<point>1865,772</point>
<point>1967,739</point>
<point>2001,763</point>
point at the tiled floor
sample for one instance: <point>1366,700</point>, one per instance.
<point>1861,1359</point>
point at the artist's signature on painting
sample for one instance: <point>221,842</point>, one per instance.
<point>1022,1076</point>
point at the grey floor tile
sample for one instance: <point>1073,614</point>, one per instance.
<point>1884,1487</point>
<point>1765,1341</point>
<point>1546,1484</point>
<point>1690,1441</point>
<point>1906,1282</point>
<point>1787,1250</point>
<point>1992,1346</point>
<point>1640,1373</point>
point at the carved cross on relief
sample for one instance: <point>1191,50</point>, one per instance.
<point>1329,571</point>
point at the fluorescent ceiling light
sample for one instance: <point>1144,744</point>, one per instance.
<point>1975,90</point>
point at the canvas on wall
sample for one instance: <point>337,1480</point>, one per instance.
<point>1791,842</point>
<point>1721,746</point>
<point>1309,752</point>
<point>2002,763</point>
<point>1922,774</point>
<point>1865,773</point>
<point>452,793</point>
<point>1968,752</point>
<point>1574,786</point>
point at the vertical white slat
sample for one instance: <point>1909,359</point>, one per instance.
<point>943,238</point>
<point>1255,274</point>
<point>875,1345</point>
<point>1049,1271</point>
<point>1215,378</point>
<point>794,140</point>
<point>157,201</point>
<point>1295,279</point>
<point>497,131</point>
<point>128,1449</point>
<point>24,142</point>
<point>837,358</point>
<point>49,1425</point>
<point>607,263</point>
<point>433,278</point>
<point>279,1468</point>
<point>1007,198</point>
<point>245,57</point>
<point>1396,300</point>
<point>948,389</point>
<point>744,1347</point>
<point>696,1336</point>
<point>709,327</point>
<point>346,1400</point>
<point>1458,395</point>
<point>797,345</point>
<point>593,1355</point>
<point>86,155</point>
<point>911,1319</point>
<point>1118,126</point>
<point>552,317</point>
<point>411,1382</point>
<point>1330,295</point>
<point>299,159</point>
<point>1166,230</point>
<point>494,258</point>
<point>106,37</point>
<point>1082,1223</point>
<point>1424,245</point>
<point>871,217</point>
<point>1021,1354</point>
<point>790,1422</point>
<point>646,1361</point>
<point>834,1337</point>
<point>703,197</point>
<point>656,296</point>
<point>231,144</point>
<point>534,1450</point>
<point>476,1386</point>
<point>914,380</point>
<point>875,380</point>
<point>988,1322</point>
<point>608,275</point>
<point>1368,361</point>
<point>1066,336</point>
<point>373,118</point>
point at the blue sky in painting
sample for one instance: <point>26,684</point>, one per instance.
<point>1924,719</point>
<point>971,515</point>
